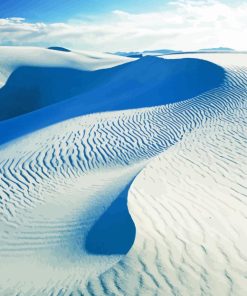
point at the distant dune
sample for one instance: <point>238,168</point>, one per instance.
<point>156,52</point>
<point>223,49</point>
<point>122,176</point>
<point>59,48</point>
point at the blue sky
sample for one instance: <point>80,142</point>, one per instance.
<point>127,25</point>
<point>63,10</point>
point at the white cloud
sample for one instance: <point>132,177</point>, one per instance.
<point>180,25</point>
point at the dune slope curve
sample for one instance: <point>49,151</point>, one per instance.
<point>78,92</point>
<point>189,209</point>
<point>31,78</point>
<point>58,184</point>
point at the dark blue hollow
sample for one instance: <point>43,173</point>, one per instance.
<point>114,232</point>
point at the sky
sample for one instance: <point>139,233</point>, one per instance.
<point>129,25</point>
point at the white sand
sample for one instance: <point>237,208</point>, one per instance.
<point>187,201</point>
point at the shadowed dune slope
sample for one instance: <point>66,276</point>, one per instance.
<point>14,57</point>
<point>149,81</point>
<point>108,237</point>
<point>30,88</point>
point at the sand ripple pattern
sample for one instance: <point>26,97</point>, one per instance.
<point>188,204</point>
<point>193,198</point>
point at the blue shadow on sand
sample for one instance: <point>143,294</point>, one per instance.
<point>114,232</point>
<point>42,96</point>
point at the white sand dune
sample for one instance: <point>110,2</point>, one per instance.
<point>14,57</point>
<point>69,93</point>
<point>32,78</point>
<point>73,223</point>
<point>193,198</point>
